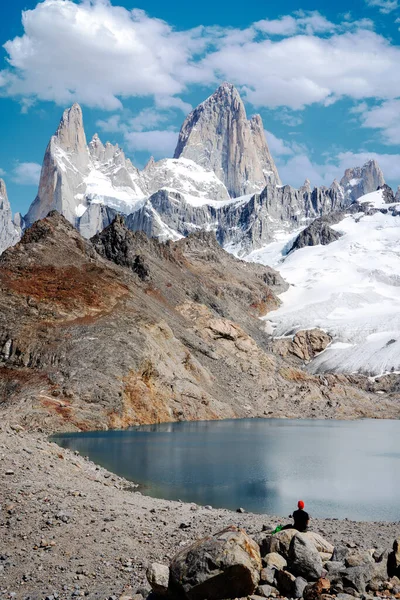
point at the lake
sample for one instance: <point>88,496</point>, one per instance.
<point>339,468</point>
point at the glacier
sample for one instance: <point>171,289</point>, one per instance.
<point>349,288</point>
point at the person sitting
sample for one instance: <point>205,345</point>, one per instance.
<point>300,517</point>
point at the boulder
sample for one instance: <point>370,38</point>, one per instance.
<point>275,561</point>
<point>393,563</point>
<point>358,558</point>
<point>158,578</point>
<point>321,544</point>
<point>357,578</point>
<point>315,591</point>
<point>266,591</point>
<point>278,542</point>
<point>224,565</point>
<point>325,556</point>
<point>333,569</point>
<point>299,586</point>
<point>268,576</point>
<point>340,553</point>
<point>285,582</point>
<point>304,559</point>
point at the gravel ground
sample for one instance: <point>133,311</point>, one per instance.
<point>69,528</point>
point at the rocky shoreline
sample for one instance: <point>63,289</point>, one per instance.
<point>69,528</point>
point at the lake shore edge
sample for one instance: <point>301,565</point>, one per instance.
<point>70,527</point>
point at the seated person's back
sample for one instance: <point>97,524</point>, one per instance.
<point>301,517</point>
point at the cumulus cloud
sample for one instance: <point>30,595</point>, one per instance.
<point>312,22</point>
<point>26,173</point>
<point>98,54</point>
<point>384,117</point>
<point>142,132</point>
<point>293,169</point>
<point>385,6</point>
<point>277,146</point>
<point>158,143</point>
<point>301,70</point>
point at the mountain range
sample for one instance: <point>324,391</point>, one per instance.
<point>222,178</point>
<point>336,247</point>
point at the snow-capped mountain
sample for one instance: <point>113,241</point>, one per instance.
<point>222,179</point>
<point>349,287</point>
<point>10,230</point>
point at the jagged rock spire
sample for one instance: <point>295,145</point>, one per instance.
<point>218,136</point>
<point>70,133</point>
<point>359,181</point>
<point>9,233</point>
<point>66,161</point>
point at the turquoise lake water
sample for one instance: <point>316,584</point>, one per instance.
<point>339,468</point>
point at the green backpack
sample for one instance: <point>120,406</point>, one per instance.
<point>279,528</point>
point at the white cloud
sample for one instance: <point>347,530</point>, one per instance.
<point>384,117</point>
<point>300,70</point>
<point>277,146</point>
<point>385,6</point>
<point>296,168</point>
<point>288,117</point>
<point>309,23</point>
<point>141,132</point>
<point>26,173</point>
<point>2,172</point>
<point>99,54</point>
<point>158,143</point>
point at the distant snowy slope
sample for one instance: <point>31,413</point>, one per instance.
<point>350,288</point>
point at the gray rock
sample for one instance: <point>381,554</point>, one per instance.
<point>285,583</point>
<point>393,563</point>
<point>304,559</point>
<point>225,565</point>
<point>317,233</point>
<point>355,559</point>
<point>266,591</point>
<point>357,577</point>
<point>333,568</point>
<point>268,576</point>
<point>361,180</point>
<point>340,553</point>
<point>274,561</point>
<point>299,586</point>
<point>158,578</point>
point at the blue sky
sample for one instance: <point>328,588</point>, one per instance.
<point>324,77</point>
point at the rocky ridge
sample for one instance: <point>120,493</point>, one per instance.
<point>123,330</point>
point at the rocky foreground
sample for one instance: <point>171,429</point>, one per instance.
<point>68,528</point>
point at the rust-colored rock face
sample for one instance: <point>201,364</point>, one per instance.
<point>123,330</point>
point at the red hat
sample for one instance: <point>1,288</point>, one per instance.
<point>300,504</point>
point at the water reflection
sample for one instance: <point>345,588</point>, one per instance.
<point>341,468</point>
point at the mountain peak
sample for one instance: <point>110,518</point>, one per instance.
<point>359,181</point>
<point>217,136</point>
<point>3,190</point>
<point>70,133</point>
